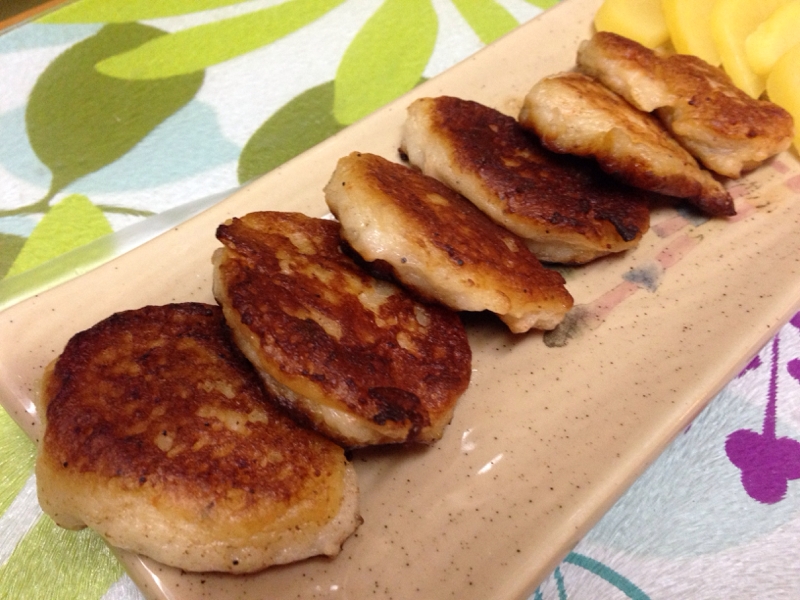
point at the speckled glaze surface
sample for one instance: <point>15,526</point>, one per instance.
<point>553,427</point>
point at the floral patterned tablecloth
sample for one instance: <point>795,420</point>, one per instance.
<point>112,111</point>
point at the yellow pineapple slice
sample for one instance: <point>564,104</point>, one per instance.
<point>731,22</point>
<point>639,20</point>
<point>773,37</point>
<point>689,26</point>
<point>783,87</point>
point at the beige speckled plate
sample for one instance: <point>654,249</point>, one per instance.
<point>553,428</point>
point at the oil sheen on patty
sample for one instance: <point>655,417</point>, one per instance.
<point>566,208</point>
<point>357,358</point>
<point>441,245</point>
<point>159,436</point>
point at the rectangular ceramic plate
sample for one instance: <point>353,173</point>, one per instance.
<point>552,429</point>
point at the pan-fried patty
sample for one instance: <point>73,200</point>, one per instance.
<point>441,245</point>
<point>159,435</point>
<point>357,358</point>
<point>566,208</point>
<point>576,114</point>
<point>724,128</point>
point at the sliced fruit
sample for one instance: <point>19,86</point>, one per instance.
<point>783,87</point>
<point>688,23</point>
<point>731,22</point>
<point>773,37</point>
<point>639,20</point>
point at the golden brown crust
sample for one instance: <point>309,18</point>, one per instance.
<point>576,114</point>
<point>724,128</point>
<point>441,245</point>
<point>323,329</point>
<point>156,410</point>
<point>550,199</point>
<point>141,359</point>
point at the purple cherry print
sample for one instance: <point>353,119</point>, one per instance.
<point>793,366</point>
<point>767,462</point>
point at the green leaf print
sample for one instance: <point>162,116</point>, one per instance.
<point>73,222</point>
<point>79,120</point>
<point>371,72</point>
<point>17,455</point>
<point>10,246</point>
<point>300,124</point>
<point>53,563</point>
<point>126,11</point>
<point>48,562</point>
<point>487,18</point>
<point>199,47</point>
<point>543,3</point>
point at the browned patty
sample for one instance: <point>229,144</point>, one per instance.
<point>565,208</point>
<point>724,128</point>
<point>441,245</point>
<point>358,358</point>
<point>576,114</point>
<point>159,436</point>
